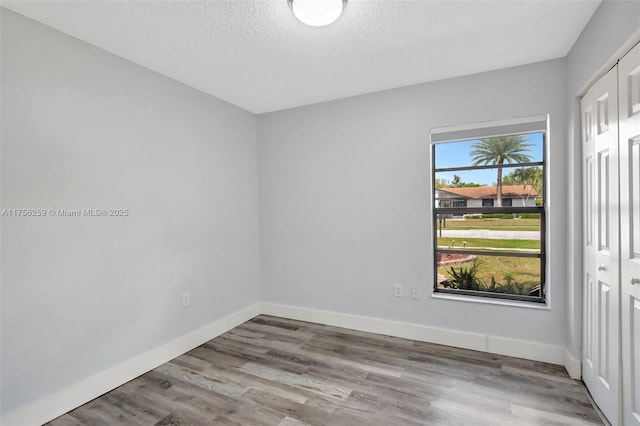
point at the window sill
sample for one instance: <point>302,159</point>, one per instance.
<point>490,301</point>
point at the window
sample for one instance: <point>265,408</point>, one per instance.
<point>488,183</point>
<point>454,204</point>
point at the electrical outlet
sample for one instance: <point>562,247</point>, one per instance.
<point>397,290</point>
<point>415,293</point>
<point>186,299</point>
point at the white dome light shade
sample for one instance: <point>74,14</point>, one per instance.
<point>317,13</point>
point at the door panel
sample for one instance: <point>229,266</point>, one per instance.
<point>629,107</point>
<point>604,204</point>
<point>601,368</point>
<point>589,203</point>
<point>632,403</point>
<point>604,339</point>
<point>589,338</point>
<point>634,191</point>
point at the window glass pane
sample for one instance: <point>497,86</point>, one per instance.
<point>502,234</point>
<point>493,274</point>
<point>521,187</point>
<point>456,203</point>
<point>522,149</point>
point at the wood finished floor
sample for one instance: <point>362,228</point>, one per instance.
<point>273,371</point>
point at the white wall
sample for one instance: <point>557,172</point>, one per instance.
<point>344,211</point>
<point>612,25</point>
<point>82,128</point>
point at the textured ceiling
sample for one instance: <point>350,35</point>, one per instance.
<point>256,55</point>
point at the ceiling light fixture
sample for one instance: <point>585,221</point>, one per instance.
<point>317,13</point>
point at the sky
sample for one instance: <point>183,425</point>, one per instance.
<point>456,154</point>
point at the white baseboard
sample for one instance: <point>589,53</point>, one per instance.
<point>461,339</point>
<point>58,403</point>
<point>573,365</point>
<point>526,349</point>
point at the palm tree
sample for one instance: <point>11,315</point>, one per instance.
<point>500,150</point>
<point>527,176</point>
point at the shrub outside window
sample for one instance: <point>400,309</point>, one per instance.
<point>489,218</point>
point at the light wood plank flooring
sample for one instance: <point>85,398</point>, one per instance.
<point>273,371</point>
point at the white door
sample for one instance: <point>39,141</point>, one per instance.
<point>601,364</point>
<point>629,81</point>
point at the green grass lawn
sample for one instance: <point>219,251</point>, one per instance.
<point>495,224</point>
<point>485,243</point>
<point>516,275</point>
<point>525,271</point>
